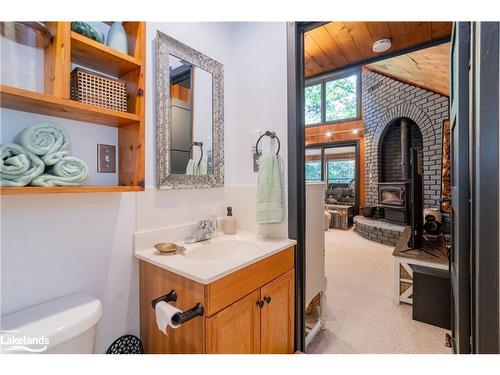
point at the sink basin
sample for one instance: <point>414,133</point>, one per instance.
<point>220,249</point>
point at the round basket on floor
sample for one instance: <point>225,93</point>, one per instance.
<point>128,344</point>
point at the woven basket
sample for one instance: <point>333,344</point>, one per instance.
<point>99,90</point>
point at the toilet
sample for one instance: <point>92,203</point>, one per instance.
<point>63,325</point>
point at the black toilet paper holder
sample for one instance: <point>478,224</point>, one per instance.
<point>180,317</point>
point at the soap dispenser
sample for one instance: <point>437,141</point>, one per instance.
<point>230,225</point>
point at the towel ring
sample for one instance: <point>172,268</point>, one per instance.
<point>271,135</point>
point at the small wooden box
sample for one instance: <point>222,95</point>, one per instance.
<point>99,90</point>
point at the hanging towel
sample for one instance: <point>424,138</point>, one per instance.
<point>19,166</point>
<point>49,141</point>
<point>190,168</point>
<point>70,171</point>
<point>270,190</point>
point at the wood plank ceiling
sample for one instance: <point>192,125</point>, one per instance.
<point>428,68</point>
<point>339,44</point>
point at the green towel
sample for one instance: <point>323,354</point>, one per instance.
<point>190,168</point>
<point>49,141</point>
<point>270,190</point>
<point>70,171</point>
<point>19,166</point>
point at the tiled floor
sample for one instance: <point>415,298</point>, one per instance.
<point>361,315</point>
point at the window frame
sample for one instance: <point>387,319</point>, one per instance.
<point>328,77</point>
<point>357,167</point>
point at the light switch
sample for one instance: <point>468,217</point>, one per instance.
<point>106,160</point>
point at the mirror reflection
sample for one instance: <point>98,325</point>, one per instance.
<point>191,151</point>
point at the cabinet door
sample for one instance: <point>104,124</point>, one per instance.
<point>277,315</point>
<point>236,329</point>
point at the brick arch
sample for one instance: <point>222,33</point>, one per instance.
<point>429,139</point>
<point>412,112</point>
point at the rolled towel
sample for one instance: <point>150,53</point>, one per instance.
<point>70,171</point>
<point>19,166</point>
<point>49,141</point>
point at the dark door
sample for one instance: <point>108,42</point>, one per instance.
<point>460,189</point>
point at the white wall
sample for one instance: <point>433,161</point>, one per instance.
<point>56,245</point>
<point>256,98</point>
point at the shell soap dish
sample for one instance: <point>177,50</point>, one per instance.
<point>168,248</point>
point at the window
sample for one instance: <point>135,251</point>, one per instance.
<point>341,99</point>
<point>313,104</point>
<point>340,171</point>
<point>313,170</point>
<point>334,98</point>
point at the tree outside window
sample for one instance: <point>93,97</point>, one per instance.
<point>312,96</point>
<point>340,171</point>
<point>313,170</point>
<point>341,99</point>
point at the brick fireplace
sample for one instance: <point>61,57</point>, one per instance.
<point>386,103</point>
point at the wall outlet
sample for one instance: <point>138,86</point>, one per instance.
<point>106,158</point>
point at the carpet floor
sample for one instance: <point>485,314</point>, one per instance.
<point>360,314</point>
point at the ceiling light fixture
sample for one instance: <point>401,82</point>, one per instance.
<point>381,45</point>
<point>328,134</point>
<point>355,131</point>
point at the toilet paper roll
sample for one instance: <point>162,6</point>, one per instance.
<point>164,313</point>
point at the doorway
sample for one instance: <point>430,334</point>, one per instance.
<point>297,67</point>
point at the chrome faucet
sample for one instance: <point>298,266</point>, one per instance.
<point>204,232</point>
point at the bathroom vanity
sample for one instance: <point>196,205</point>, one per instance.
<point>245,285</point>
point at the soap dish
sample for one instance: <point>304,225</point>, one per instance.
<point>168,248</point>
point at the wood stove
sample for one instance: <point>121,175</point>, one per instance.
<point>393,197</point>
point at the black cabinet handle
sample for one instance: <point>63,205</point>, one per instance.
<point>267,299</point>
<point>260,304</point>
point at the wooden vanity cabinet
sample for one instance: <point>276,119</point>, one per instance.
<point>249,311</point>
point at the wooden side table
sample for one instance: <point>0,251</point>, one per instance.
<point>403,263</point>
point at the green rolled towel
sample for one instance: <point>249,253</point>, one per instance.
<point>70,171</point>
<point>19,166</point>
<point>48,141</point>
<point>270,190</point>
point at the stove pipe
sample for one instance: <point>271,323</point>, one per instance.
<point>405,148</point>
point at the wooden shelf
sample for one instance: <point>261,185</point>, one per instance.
<point>29,101</point>
<point>67,190</point>
<point>66,48</point>
<point>98,56</point>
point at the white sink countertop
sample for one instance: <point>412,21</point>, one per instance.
<point>210,260</point>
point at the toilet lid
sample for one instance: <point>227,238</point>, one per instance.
<point>47,325</point>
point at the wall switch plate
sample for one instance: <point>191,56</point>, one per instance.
<point>106,159</point>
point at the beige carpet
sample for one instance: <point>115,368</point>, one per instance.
<point>361,315</point>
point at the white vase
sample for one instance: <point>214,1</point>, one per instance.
<point>117,38</point>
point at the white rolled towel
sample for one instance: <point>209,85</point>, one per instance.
<point>50,142</point>
<point>70,171</point>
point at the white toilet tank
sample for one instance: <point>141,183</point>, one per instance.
<point>64,325</point>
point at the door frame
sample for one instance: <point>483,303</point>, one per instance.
<point>485,174</point>
<point>354,143</point>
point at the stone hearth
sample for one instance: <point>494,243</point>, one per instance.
<point>377,230</point>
